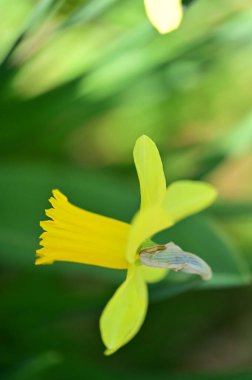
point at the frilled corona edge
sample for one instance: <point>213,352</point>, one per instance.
<point>77,235</point>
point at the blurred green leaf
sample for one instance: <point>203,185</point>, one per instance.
<point>100,85</point>
<point>39,13</point>
<point>34,367</point>
<point>239,139</point>
<point>87,13</point>
<point>232,209</point>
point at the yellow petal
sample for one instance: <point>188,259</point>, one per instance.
<point>150,172</point>
<point>165,15</point>
<point>81,236</point>
<point>125,312</point>
<point>184,198</point>
<point>152,275</point>
<point>145,224</point>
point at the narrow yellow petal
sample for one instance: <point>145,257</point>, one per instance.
<point>150,172</point>
<point>152,275</point>
<point>125,312</point>
<point>81,236</point>
<point>184,198</point>
<point>145,224</point>
<point>165,15</point>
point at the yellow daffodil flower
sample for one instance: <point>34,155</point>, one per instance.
<point>81,236</point>
<point>165,15</point>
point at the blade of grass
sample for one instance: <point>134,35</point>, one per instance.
<point>87,13</point>
<point>40,12</point>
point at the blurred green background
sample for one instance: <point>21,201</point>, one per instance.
<point>79,82</point>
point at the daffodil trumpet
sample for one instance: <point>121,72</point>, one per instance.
<point>77,235</point>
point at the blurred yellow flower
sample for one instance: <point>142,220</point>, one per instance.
<point>81,236</point>
<point>165,15</point>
